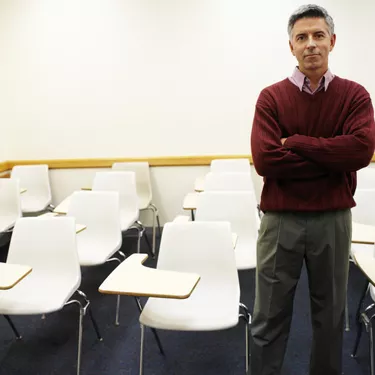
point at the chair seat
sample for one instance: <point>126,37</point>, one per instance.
<point>207,309</point>
<point>245,253</point>
<point>7,222</point>
<point>31,204</point>
<point>92,253</point>
<point>28,297</point>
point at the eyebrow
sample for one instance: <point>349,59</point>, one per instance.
<point>303,33</point>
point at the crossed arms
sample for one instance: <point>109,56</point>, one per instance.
<point>303,157</point>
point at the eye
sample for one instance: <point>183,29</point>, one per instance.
<point>320,36</point>
<point>300,38</point>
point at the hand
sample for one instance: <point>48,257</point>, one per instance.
<point>283,141</point>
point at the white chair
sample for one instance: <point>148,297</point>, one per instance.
<point>48,245</point>
<point>364,211</point>
<point>222,181</point>
<point>366,318</point>
<point>100,212</point>
<point>144,191</point>
<point>35,179</point>
<point>237,207</point>
<point>237,166</point>
<point>124,183</point>
<point>10,206</point>
<point>366,178</point>
<point>230,165</point>
<point>203,248</point>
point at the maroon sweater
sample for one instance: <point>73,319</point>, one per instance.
<point>330,135</point>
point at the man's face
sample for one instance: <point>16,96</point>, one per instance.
<point>311,44</point>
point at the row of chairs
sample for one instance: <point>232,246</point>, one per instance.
<point>363,213</point>
<point>36,198</point>
<point>51,247</point>
<point>191,242</point>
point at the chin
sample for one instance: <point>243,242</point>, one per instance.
<point>313,66</point>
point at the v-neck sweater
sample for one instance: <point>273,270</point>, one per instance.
<point>330,135</point>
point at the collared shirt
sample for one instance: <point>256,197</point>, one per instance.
<point>303,83</point>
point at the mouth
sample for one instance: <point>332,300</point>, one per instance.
<point>312,55</point>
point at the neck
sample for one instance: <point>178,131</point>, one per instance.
<point>314,75</point>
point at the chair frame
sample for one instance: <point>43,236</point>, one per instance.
<point>83,309</point>
<point>244,314</point>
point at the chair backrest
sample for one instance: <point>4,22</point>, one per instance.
<point>10,205</point>
<point>372,292</point>
<point>235,181</point>
<point>100,212</point>
<point>364,211</point>
<point>142,179</point>
<point>366,178</point>
<point>204,248</point>
<point>35,179</point>
<point>239,208</point>
<point>230,165</point>
<point>48,245</point>
<point>124,183</point>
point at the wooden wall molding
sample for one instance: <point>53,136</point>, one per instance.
<point>4,166</point>
<point>162,161</point>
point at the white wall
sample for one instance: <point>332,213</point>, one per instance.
<point>115,78</point>
<point>123,78</point>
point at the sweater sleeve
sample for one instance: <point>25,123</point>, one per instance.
<point>270,158</point>
<point>348,152</point>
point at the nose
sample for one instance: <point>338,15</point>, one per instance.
<point>310,42</point>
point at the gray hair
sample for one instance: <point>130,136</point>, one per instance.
<point>310,11</point>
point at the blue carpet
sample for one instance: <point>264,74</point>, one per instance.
<point>49,346</point>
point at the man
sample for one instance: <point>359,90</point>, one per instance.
<point>310,135</point>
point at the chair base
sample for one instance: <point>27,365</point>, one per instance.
<point>244,315</point>
<point>367,318</point>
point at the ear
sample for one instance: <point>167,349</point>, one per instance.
<point>333,42</point>
<point>291,48</point>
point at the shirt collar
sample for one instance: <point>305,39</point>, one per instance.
<point>299,79</point>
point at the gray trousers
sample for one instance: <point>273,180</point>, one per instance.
<point>286,239</point>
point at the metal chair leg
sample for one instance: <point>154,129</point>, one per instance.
<point>363,295</point>
<point>158,221</point>
<point>142,231</point>
<point>14,329</point>
<point>117,321</point>
<point>141,350</point>
<point>96,328</point>
<point>372,359</point>
<point>153,330</point>
<point>149,245</point>
<point>156,214</point>
<point>82,313</point>
<point>357,340</point>
<point>244,317</point>
<point>153,231</point>
<point>347,323</point>
<point>80,332</point>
